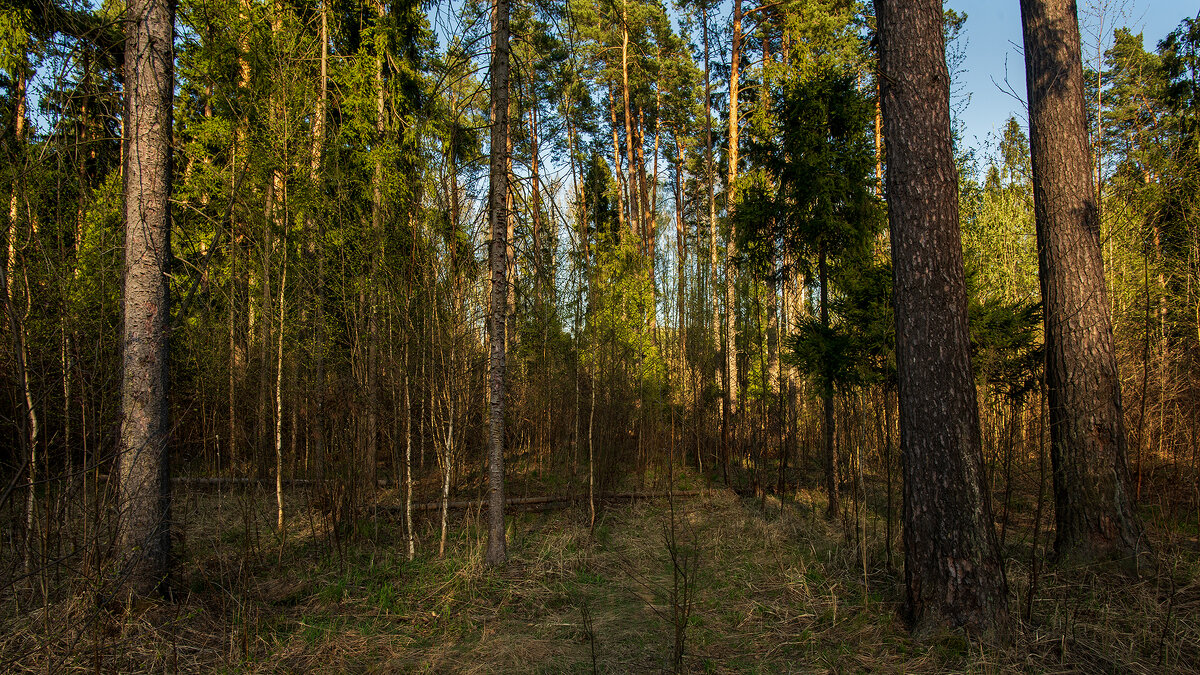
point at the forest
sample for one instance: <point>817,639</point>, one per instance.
<point>595,336</point>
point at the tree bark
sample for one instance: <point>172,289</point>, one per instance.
<point>715,294</point>
<point>1087,432</point>
<point>953,572</point>
<point>279,396</point>
<point>408,480</point>
<point>496,546</point>
<point>143,532</point>
<point>730,403</point>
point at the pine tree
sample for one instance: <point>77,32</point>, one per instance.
<point>1087,431</point>
<point>144,533</point>
<point>498,215</point>
<point>953,572</point>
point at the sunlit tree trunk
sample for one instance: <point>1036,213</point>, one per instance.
<point>730,403</point>
<point>279,396</point>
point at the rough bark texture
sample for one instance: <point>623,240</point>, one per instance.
<point>496,548</point>
<point>1087,431</point>
<point>953,574</point>
<point>145,491</point>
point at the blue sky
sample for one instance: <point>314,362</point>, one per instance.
<point>994,59</point>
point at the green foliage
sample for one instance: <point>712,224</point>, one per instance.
<point>619,321</point>
<point>14,38</point>
<point>859,349</point>
<point>1006,345</point>
<point>821,163</point>
<point>999,241</point>
<point>814,201</point>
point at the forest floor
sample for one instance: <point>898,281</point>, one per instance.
<point>776,589</point>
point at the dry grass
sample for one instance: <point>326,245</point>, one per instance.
<point>775,592</point>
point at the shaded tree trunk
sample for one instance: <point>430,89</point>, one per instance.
<point>953,572</point>
<point>1087,431</point>
<point>143,533</point>
<point>498,214</point>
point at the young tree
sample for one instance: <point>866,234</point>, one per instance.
<point>145,489</point>
<point>819,154</point>
<point>1087,432</point>
<point>953,573</point>
<point>498,213</point>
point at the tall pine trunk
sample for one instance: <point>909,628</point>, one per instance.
<point>711,171</point>
<point>498,255</point>
<point>143,533</point>
<point>1087,432</point>
<point>953,572</point>
<point>730,403</point>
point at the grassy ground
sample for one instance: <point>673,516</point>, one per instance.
<point>775,590</point>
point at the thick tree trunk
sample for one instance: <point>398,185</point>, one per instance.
<point>1087,431</point>
<point>953,573</point>
<point>496,547</point>
<point>143,533</point>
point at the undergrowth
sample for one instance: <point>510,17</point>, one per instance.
<point>775,588</point>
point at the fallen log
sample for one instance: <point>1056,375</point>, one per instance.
<point>459,504</point>
<point>456,504</point>
<point>204,481</point>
